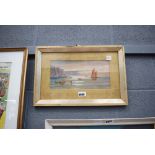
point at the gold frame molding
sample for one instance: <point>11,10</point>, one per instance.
<point>51,123</point>
<point>81,102</point>
<point>22,83</point>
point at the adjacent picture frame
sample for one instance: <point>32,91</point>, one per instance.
<point>96,123</point>
<point>80,76</point>
<point>13,65</point>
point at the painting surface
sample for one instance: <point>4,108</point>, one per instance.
<point>4,84</point>
<point>83,74</point>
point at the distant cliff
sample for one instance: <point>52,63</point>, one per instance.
<point>57,72</point>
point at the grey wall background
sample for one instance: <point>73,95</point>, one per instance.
<point>139,42</point>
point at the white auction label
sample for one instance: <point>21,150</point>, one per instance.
<point>82,93</point>
<point>108,57</point>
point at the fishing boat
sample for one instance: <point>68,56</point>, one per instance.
<point>94,74</point>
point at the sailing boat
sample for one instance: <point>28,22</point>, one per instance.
<point>94,74</point>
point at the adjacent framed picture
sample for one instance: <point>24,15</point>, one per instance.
<point>114,123</point>
<point>13,64</point>
<point>80,76</point>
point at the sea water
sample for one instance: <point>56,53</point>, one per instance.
<point>64,83</point>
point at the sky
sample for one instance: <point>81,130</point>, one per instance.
<point>79,65</point>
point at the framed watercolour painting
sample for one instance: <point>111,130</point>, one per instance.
<point>13,63</point>
<point>80,76</point>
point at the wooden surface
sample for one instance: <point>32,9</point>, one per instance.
<point>22,90</point>
<point>122,70</point>
<point>37,77</point>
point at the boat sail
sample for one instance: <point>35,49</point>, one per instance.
<point>94,74</point>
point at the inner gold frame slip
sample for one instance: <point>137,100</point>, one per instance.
<point>80,76</point>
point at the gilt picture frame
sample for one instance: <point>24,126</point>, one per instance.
<point>13,64</point>
<point>80,76</point>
